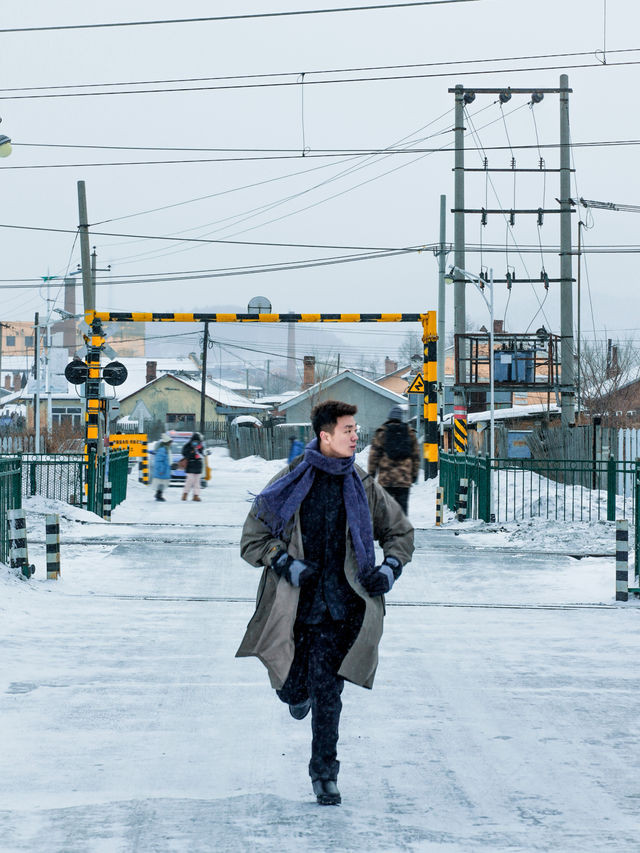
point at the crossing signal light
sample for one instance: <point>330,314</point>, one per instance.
<point>114,373</point>
<point>76,371</point>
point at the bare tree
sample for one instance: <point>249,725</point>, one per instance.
<point>610,382</point>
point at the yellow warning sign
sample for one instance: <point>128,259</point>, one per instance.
<point>417,386</point>
<point>134,442</point>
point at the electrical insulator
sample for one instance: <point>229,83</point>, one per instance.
<point>504,96</point>
<point>509,280</point>
<point>469,97</point>
<point>540,216</point>
<point>483,217</point>
<point>544,278</point>
<point>513,162</point>
<point>512,217</point>
<point>536,97</point>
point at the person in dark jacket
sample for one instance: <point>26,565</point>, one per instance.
<point>320,602</point>
<point>193,452</point>
<point>395,456</point>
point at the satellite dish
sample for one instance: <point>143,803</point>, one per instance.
<point>259,305</point>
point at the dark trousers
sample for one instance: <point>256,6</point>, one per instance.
<point>401,494</point>
<point>319,651</point>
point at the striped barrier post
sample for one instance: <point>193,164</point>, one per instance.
<point>106,507</point>
<point>143,476</point>
<point>622,560</point>
<point>460,429</point>
<point>52,538</point>
<point>439,504</point>
<point>18,557</point>
<point>463,496</point>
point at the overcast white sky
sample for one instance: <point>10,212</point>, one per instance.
<point>384,201</point>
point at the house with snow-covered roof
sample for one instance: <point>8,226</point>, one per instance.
<point>373,400</point>
<point>173,402</point>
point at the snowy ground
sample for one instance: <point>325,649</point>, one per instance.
<point>504,715</point>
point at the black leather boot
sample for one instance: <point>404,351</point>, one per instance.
<point>327,793</point>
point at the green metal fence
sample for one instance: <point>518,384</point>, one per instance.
<point>97,473</point>
<point>58,476</point>
<point>66,477</point>
<point>636,526</point>
<point>560,489</point>
<point>117,475</point>
<point>10,498</point>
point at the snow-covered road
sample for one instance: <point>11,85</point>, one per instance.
<point>503,717</point>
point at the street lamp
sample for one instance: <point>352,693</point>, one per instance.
<point>455,273</point>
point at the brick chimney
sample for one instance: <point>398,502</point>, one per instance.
<point>7,382</point>
<point>17,381</point>
<point>498,327</point>
<point>151,371</point>
<point>309,374</point>
<point>390,366</point>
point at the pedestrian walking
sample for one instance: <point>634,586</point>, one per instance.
<point>161,471</point>
<point>193,452</point>
<point>320,607</point>
<point>395,456</point>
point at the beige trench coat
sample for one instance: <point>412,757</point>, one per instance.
<point>269,634</point>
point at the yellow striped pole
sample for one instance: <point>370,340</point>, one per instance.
<point>93,400</point>
<point>430,403</point>
<point>170,317</point>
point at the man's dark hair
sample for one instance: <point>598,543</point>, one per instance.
<point>325,415</point>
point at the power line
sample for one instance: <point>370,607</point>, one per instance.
<point>289,83</point>
<point>320,154</point>
<point>227,242</point>
<point>295,74</point>
<point>248,16</point>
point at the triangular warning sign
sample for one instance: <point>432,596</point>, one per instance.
<point>417,386</point>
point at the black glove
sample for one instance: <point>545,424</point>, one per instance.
<point>381,579</point>
<point>296,572</point>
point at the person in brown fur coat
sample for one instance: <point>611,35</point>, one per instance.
<point>395,456</point>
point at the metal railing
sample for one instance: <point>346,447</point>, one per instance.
<point>557,489</point>
<point>66,477</point>
<point>58,476</point>
<point>118,474</point>
<point>97,474</point>
<point>10,498</point>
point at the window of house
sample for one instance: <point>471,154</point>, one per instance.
<point>10,340</point>
<point>66,415</point>
<point>28,340</point>
<point>175,419</point>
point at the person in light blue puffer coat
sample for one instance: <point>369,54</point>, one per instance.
<point>162,466</point>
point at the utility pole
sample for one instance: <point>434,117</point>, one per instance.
<point>566,285</point>
<point>87,284</point>
<point>459,296</point>
<point>203,386</point>
<point>268,376</point>
<point>36,376</point>
<point>442,262</point>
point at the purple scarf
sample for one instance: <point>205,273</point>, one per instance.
<point>276,505</point>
